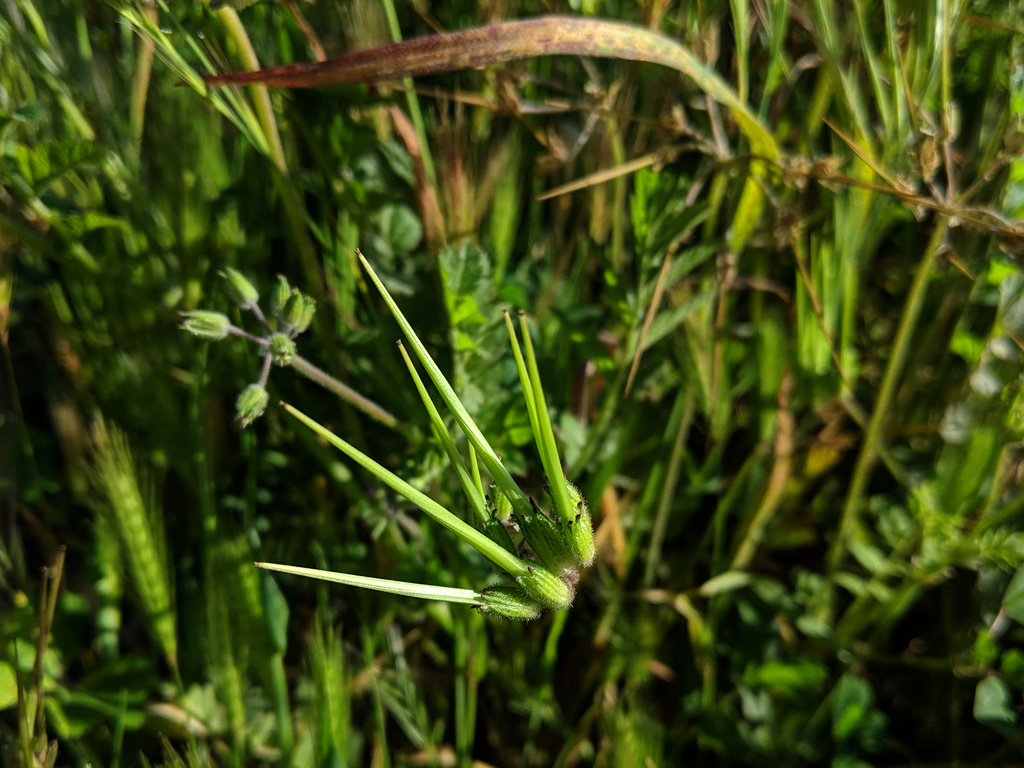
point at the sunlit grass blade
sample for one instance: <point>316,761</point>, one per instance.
<point>406,588</point>
<point>487,454</point>
<point>493,552</point>
<point>524,376</point>
<point>544,435</point>
<point>469,486</point>
<point>231,104</point>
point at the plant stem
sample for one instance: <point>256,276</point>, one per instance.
<point>140,83</point>
<point>345,392</point>
<point>873,439</point>
<point>264,109</point>
<point>411,99</point>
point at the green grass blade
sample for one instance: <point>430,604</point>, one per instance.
<point>487,454</point>
<point>406,588</point>
<point>544,435</point>
<point>469,486</point>
<point>493,552</point>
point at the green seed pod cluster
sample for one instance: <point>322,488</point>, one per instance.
<point>547,539</point>
<point>251,404</point>
<point>291,313</point>
<point>564,544</point>
<point>281,349</point>
<point>211,326</point>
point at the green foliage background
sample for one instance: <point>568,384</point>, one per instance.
<point>808,494</point>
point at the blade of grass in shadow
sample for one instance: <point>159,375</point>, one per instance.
<point>513,41</point>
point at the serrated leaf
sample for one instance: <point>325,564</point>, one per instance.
<point>46,163</point>
<point>401,227</point>
<point>466,270</point>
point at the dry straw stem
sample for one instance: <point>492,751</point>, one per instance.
<point>514,41</point>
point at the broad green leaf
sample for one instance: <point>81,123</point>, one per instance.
<point>993,706</point>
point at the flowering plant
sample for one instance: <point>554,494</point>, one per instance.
<point>540,553</point>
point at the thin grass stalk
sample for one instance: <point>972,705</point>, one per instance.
<point>411,99</point>
<point>390,586</point>
<point>381,757</point>
<point>487,454</point>
<point>346,393</point>
<point>261,97</point>
<point>873,438</point>
<point>228,102</point>
<point>776,485</point>
<point>682,416</point>
<point>493,552</point>
<point>140,82</point>
<point>222,634</point>
<point>292,207</point>
<point>545,435</point>
<point>470,485</point>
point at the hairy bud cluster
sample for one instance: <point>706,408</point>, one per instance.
<point>292,312</point>
<point>560,547</point>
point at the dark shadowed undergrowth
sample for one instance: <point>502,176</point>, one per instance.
<point>775,295</point>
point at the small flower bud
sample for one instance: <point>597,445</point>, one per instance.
<point>306,315</point>
<point>280,296</point>
<point>502,506</point>
<point>297,313</point>
<point>242,291</point>
<point>281,349</point>
<point>581,530</point>
<point>546,588</point>
<point>251,404</point>
<point>510,603</point>
<point>212,326</point>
